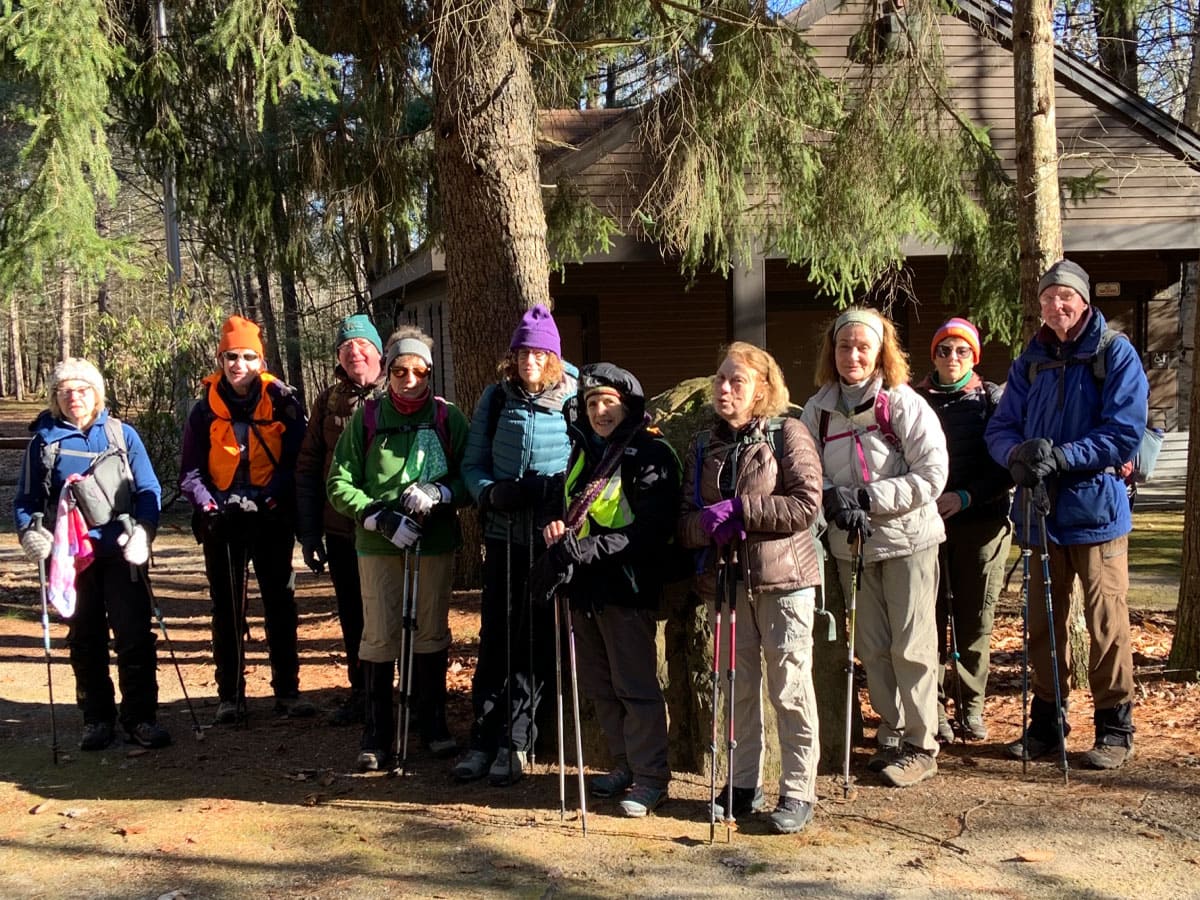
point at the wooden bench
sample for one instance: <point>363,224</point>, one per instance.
<point>1173,457</point>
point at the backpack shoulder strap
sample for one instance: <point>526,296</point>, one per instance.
<point>701,442</point>
<point>1100,360</point>
<point>441,425</point>
<point>883,418</point>
<point>115,434</point>
<point>496,401</point>
<point>370,422</point>
<point>823,427</point>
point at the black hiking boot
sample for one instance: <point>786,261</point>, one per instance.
<point>96,736</point>
<point>379,724</point>
<point>430,674</point>
<point>1041,738</point>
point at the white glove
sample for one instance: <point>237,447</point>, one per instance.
<point>135,546</point>
<point>36,541</point>
<point>419,498</point>
<point>406,534</point>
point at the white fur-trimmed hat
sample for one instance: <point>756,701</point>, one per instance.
<point>74,368</point>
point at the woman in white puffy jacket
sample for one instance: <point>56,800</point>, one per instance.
<point>885,462</point>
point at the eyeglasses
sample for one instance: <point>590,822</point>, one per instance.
<point>402,372</point>
<point>75,392</point>
<point>945,351</point>
<point>231,356</point>
<point>539,355</point>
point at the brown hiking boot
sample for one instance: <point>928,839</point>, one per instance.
<point>1110,752</point>
<point>912,767</point>
<point>884,756</point>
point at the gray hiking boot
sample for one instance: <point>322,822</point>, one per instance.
<point>884,756</point>
<point>642,800</point>
<point>945,732</point>
<point>912,767</point>
<point>150,735</point>
<point>293,706</point>
<point>229,712</point>
<point>472,767</point>
<point>974,728</point>
<point>614,784</point>
<point>499,774</point>
<point>791,815</point>
<point>1111,752</point>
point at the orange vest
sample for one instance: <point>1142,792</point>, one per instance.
<point>264,438</point>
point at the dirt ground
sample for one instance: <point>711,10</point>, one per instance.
<point>275,809</point>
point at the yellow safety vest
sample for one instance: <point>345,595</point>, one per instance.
<point>610,509</point>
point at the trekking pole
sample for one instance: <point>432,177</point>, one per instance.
<point>1026,552</point>
<point>145,578</point>
<point>508,622</point>
<point>731,739</point>
<point>239,634</point>
<point>37,521</point>
<point>1058,702</point>
<point>715,678</point>
<point>529,613</point>
<point>955,659</point>
<point>562,762</point>
<point>575,713</point>
<point>408,621</point>
<point>851,615</point>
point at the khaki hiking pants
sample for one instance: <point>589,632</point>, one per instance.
<point>382,595</point>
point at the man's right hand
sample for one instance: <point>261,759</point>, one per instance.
<point>1031,461</point>
<point>36,541</point>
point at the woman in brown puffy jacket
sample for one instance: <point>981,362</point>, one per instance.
<point>751,491</point>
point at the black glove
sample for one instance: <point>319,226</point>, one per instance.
<point>208,524</point>
<point>836,499</point>
<point>1031,461</point>
<point>1041,500</point>
<point>537,488</point>
<point>568,551</point>
<point>1060,460</point>
<point>313,550</point>
<point>547,576</point>
<point>503,496</point>
<point>855,522</point>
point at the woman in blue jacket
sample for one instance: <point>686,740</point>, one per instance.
<point>67,437</point>
<point>518,440</point>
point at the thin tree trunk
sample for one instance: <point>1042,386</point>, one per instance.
<point>14,349</point>
<point>66,284</point>
<point>1184,660</point>
<point>266,309</point>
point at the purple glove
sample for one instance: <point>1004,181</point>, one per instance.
<point>728,531</point>
<point>714,515</point>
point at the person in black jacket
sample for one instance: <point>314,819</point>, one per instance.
<point>622,492</point>
<point>978,531</point>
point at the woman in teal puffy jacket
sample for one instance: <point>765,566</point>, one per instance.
<point>517,444</point>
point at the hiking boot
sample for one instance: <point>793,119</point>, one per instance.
<point>1033,745</point>
<point>912,767</point>
<point>614,784</point>
<point>945,732</point>
<point>790,815</point>
<point>96,736</point>
<point>745,802</point>
<point>642,800</point>
<point>229,712</point>
<point>1111,752</point>
<point>472,767</point>
<point>498,774</point>
<point>973,728</point>
<point>293,706</point>
<point>884,756</point>
<point>373,760</point>
<point>349,711</point>
<point>150,735</point>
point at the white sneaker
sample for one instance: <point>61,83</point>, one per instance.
<point>472,767</point>
<point>499,775</point>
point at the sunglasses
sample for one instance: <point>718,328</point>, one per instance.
<point>402,372</point>
<point>233,356</point>
<point>945,351</point>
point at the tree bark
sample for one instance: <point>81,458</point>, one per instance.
<point>1191,97</point>
<point>267,310</point>
<point>1117,36</point>
<point>1184,661</point>
<point>66,285</point>
<point>494,227</point>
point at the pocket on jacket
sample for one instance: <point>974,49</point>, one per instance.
<point>1087,503</point>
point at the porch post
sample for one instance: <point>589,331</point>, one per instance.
<point>748,293</point>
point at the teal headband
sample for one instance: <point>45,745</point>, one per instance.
<point>859,317</point>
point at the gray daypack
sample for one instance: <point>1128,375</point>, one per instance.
<point>105,491</point>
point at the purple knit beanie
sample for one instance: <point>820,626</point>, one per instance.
<point>537,331</point>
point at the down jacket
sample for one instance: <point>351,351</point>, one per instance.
<point>1098,425</point>
<point>902,481</point>
<point>781,499</point>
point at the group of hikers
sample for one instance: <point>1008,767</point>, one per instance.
<point>908,485</point>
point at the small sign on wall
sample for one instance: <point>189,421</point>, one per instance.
<point>1106,289</point>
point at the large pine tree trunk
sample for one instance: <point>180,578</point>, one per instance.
<point>1185,648</point>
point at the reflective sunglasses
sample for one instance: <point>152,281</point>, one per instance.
<point>233,356</point>
<point>945,351</point>
<point>402,372</point>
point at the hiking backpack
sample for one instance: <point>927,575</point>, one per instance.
<point>440,426</point>
<point>105,490</point>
